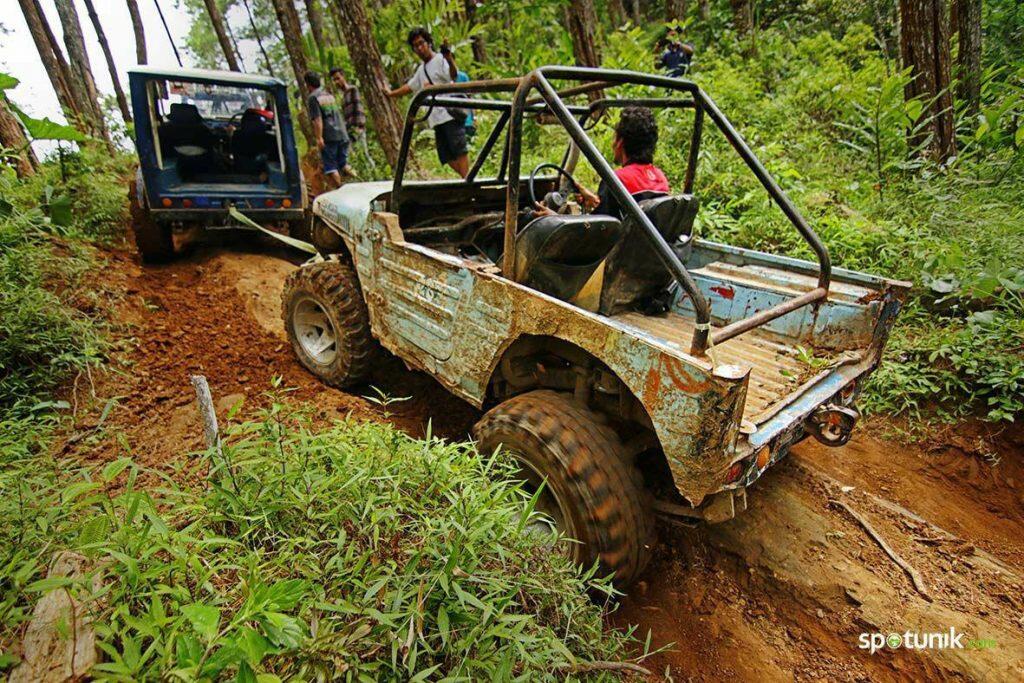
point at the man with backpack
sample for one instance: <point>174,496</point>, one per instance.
<point>449,124</point>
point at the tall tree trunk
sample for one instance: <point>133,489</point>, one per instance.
<point>234,45</point>
<point>259,39</point>
<point>634,8</point>
<point>217,21</point>
<point>704,9</point>
<point>581,21</point>
<point>81,69</point>
<point>742,16</point>
<point>291,29</point>
<point>968,25</point>
<point>924,47</point>
<point>616,12</point>
<point>362,47</point>
<point>675,10</point>
<point>479,48</point>
<point>316,24</point>
<point>139,30</point>
<point>14,143</point>
<point>122,102</point>
<point>56,67</point>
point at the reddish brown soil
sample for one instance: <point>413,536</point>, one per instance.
<point>780,593</point>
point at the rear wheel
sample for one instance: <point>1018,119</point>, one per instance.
<point>592,493</point>
<point>328,324</point>
<point>153,240</point>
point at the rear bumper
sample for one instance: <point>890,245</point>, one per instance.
<point>220,217</point>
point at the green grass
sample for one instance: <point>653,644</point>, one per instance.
<point>350,550</point>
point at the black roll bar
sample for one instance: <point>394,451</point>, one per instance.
<point>550,100</point>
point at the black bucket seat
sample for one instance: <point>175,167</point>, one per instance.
<point>558,254</point>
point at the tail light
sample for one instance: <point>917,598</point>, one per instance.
<point>187,203</point>
<point>269,203</point>
<point>166,202</point>
<point>287,203</point>
<point>734,473</point>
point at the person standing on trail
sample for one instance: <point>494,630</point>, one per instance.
<point>355,117</point>
<point>438,68</point>
<point>329,126</point>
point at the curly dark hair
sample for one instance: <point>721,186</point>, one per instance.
<point>638,130</point>
<point>420,32</point>
<point>312,79</point>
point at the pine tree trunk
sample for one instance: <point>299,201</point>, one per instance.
<point>139,30</point>
<point>291,30</point>
<point>122,102</point>
<point>81,69</point>
<point>479,48</point>
<point>616,12</point>
<point>316,24</point>
<point>742,16</point>
<point>968,25</point>
<point>259,39</point>
<point>581,21</point>
<point>56,67</point>
<point>217,21</point>
<point>362,47</point>
<point>924,46</point>
<point>14,142</point>
<point>675,10</point>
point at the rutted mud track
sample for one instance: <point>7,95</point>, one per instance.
<point>781,593</point>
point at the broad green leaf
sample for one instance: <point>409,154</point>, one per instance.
<point>7,82</point>
<point>252,645</point>
<point>204,619</point>
<point>45,129</point>
<point>114,468</point>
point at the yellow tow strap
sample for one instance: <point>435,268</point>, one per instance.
<point>290,241</point>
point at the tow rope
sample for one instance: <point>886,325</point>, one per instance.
<point>287,239</point>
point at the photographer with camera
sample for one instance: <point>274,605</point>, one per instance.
<point>449,124</point>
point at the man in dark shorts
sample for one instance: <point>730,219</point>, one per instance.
<point>438,68</point>
<point>329,127</point>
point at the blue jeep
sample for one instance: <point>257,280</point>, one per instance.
<point>207,141</point>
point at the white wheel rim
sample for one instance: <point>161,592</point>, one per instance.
<point>553,521</point>
<point>315,331</point>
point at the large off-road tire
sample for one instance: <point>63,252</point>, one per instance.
<point>328,324</point>
<point>152,239</point>
<point>593,494</point>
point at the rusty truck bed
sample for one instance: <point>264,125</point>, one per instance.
<point>775,368</point>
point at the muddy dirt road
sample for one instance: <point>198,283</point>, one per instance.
<point>782,593</point>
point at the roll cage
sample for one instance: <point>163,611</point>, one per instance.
<point>590,81</point>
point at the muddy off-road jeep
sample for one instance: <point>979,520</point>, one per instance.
<point>208,141</point>
<point>635,368</point>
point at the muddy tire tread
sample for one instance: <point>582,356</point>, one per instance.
<point>335,285</point>
<point>153,241</point>
<point>613,509</point>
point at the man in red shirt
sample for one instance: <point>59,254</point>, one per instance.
<point>636,138</point>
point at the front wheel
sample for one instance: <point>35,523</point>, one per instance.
<point>592,493</point>
<point>328,324</point>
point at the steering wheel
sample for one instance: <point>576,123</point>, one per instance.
<point>550,201</point>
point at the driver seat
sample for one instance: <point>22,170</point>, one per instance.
<point>634,273</point>
<point>558,254</point>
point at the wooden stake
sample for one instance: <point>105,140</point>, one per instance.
<point>206,411</point>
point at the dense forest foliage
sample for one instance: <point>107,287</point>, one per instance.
<point>821,91</point>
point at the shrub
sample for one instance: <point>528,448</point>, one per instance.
<point>354,551</point>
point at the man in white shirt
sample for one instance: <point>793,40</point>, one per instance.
<point>437,68</point>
